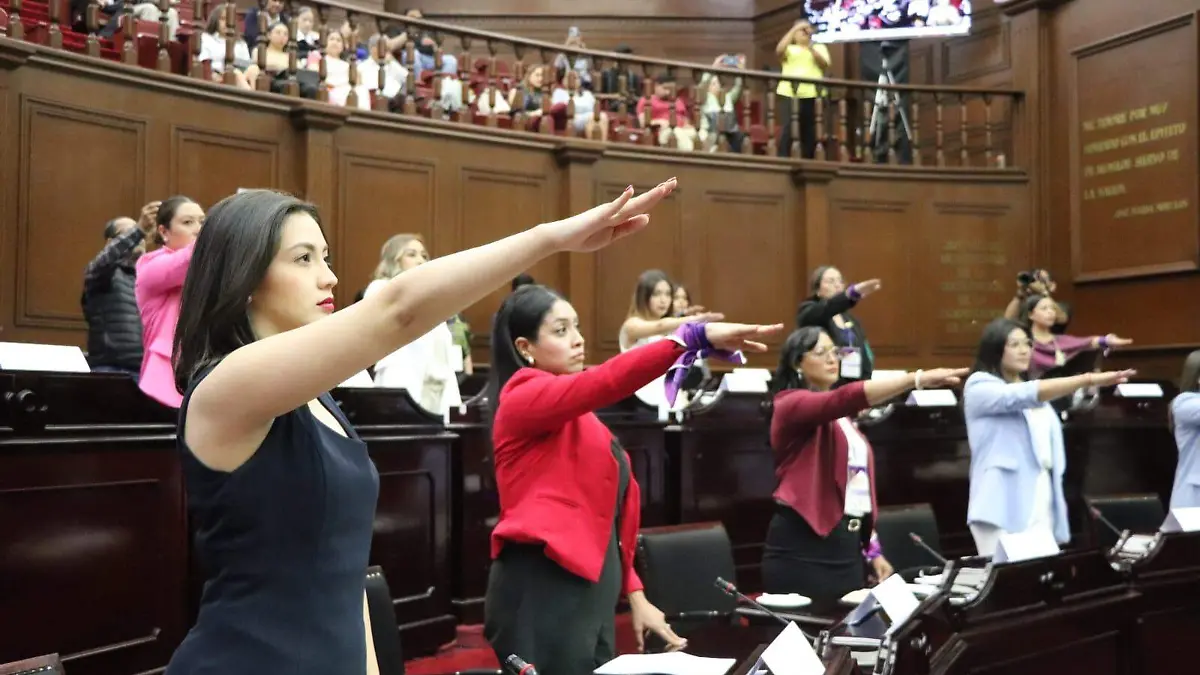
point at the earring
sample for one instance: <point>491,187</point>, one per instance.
<point>528,358</point>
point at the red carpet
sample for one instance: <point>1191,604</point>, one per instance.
<point>469,651</point>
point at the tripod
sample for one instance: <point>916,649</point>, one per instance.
<point>879,118</point>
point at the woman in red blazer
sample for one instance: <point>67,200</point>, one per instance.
<point>822,532</point>
<point>569,508</point>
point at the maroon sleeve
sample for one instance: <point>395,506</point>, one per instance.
<point>535,402</point>
<point>798,410</point>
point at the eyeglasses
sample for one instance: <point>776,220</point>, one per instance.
<point>827,352</point>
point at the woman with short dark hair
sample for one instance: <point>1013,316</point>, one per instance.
<point>280,489</point>
<point>822,539</point>
<point>563,547</point>
<point>1017,453</point>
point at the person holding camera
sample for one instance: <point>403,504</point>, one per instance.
<point>718,113</point>
<point>799,56</point>
<point>1037,282</point>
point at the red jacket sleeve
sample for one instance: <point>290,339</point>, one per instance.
<point>535,402</point>
<point>799,410</point>
<point>631,524</point>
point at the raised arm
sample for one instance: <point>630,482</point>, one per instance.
<point>535,402</point>
<point>798,409</point>
<point>637,328</point>
<point>820,311</point>
<point>160,274</point>
<point>114,252</point>
<point>277,374</point>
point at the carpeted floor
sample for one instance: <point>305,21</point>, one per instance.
<point>471,651</point>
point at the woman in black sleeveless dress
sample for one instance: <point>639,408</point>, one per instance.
<point>281,491</point>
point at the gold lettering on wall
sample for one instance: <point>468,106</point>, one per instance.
<point>971,294</point>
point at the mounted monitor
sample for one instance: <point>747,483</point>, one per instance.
<point>883,20</point>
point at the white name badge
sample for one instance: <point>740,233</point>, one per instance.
<point>852,364</point>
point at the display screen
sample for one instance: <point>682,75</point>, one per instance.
<point>880,20</point>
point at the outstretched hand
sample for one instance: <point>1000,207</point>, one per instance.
<point>1110,378</point>
<point>600,226</point>
<point>739,336</point>
<point>943,377</point>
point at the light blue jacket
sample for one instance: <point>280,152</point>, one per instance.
<point>1004,465</point>
<point>1185,410</point>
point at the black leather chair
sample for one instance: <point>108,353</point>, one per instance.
<point>679,565</point>
<point>385,631</point>
<point>1138,513</point>
<point>39,665</point>
<point>894,523</point>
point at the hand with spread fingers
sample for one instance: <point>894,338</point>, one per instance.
<point>600,226</point>
<point>740,336</point>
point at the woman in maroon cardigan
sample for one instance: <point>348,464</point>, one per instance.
<point>822,531</point>
<point>569,507</point>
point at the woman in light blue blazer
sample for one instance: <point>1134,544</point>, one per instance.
<point>1185,419</point>
<point>1017,456</point>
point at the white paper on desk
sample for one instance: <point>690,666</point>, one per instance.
<point>932,398</point>
<point>1018,546</point>
<point>1182,520</point>
<point>39,357</point>
<point>1139,390</point>
<point>896,598</point>
<point>671,663</point>
<point>791,654</point>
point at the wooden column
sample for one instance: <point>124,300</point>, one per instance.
<point>578,161</point>
<point>812,213</point>
<point>317,162</point>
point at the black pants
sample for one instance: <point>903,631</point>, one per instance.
<point>561,623</point>
<point>798,560</point>
<point>808,126</point>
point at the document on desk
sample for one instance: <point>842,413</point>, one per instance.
<point>671,663</point>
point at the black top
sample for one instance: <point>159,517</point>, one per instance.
<point>819,312</point>
<point>110,306</point>
<point>284,541</point>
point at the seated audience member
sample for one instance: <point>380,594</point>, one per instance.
<point>337,73</point>
<point>584,120</point>
<point>212,49</point>
<point>1017,453</point>
<point>273,9</point>
<point>1038,282</point>
<point>681,303</point>
<point>821,541</point>
<point>660,115</point>
<point>527,99</point>
<point>281,490</point>
<point>563,547</point>
<point>610,79</point>
<point>582,65</point>
<point>451,87</point>
<point>277,59</point>
<point>144,10</point>
<point>427,367</point>
<point>395,76</point>
<point>159,285</point>
<point>1185,421</point>
<point>1039,314</point>
<point>307,39</point>
<point>425,47</point>
<point>828,308</point>
<point>491,99</point>
<point>718,116</point>
<point>114,341</point>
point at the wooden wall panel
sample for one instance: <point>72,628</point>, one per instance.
<point>210,166</point>
<point>745,251</point>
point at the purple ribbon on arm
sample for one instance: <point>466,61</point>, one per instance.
<point>694,340</point>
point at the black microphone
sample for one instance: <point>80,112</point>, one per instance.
<point>928,549</point>
<point>1107,523</point>
<point>729,589</point>
<point>518,666</point>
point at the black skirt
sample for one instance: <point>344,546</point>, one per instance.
<point>798,560</point>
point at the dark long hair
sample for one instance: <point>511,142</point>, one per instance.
<point>1027,306</point>
<point>800,342</point>
<point>520,316</point>
<point>814,282</point>
<point>233,251</point>
<point>991,346</point>
<point>639,304</point>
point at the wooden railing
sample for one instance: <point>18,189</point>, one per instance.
<point>501,81</point>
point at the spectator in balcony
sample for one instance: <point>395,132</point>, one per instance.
<point>580,64</point>
<point>718,115</point>
<point>275,14</point>
<point>114,340</point>
<point>424,45</point>
<point>337,73</point>
<point>115,10</point>
<point>307,39</point>
<point>277,59</point>
<point>395,76</point>
<point>610,79</point>
<point>660,115</point>
<point>160,276</point>
<point>212,49</point>
<point>800,58</point>
<point>570,90</point>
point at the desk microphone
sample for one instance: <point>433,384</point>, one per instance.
<point>518,666</point>
<point>729,589</point>
<point>928,549</point>
<point>1107,523</point>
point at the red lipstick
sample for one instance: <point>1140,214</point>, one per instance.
<point>327,304</point>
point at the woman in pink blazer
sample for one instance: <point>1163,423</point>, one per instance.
<point>159,284</point>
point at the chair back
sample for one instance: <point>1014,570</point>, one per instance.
<point>385,631</point>
<point>1138,513</point>
<point>894,523</point>
<point>679,565</point>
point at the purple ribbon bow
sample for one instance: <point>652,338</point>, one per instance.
<point>694,340</point>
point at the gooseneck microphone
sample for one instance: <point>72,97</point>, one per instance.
<point>516,665</point>
<point>729,589</point>
<point>1107,523</point>
<point>928,549</point>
